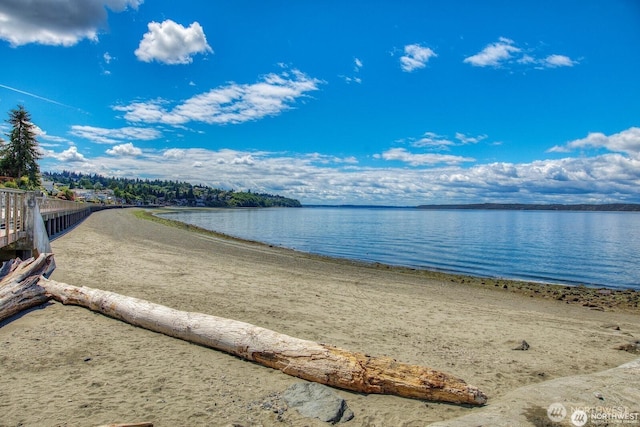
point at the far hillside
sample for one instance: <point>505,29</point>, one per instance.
<point>101,189</point>
<point>607,207</point>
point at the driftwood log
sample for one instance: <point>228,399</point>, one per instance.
<point>300,358</point>
<point>145,424</point>
<point>19,288</point>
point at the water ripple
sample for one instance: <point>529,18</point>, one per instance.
<point>593,248</point>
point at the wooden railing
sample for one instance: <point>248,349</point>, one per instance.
<point>59,215</point>
<point>48,206</point>
<point>12,203</point>
<point>28,221</point>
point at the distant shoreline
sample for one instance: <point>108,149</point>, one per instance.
<point>608,207</point>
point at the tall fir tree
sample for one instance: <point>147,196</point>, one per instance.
<point>19,157</point>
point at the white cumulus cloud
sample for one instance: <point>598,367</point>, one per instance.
<point>171,43</point>
<point>234,103</point>
<point>114,136</point>
<point>505,53</point>
<point>554,61</point>
<point>174,154</point>
<point>70,155</point>
<point>58,23</point>
<point>127,149</point>
<point>420,159</point>
<point>494,54</point>
<point>627,141</point>
<point>434,141</point>
<point>244,160</point>
<point>466,139</point>
<point>415,57</point>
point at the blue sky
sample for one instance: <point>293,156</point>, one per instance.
<point>334,102</point>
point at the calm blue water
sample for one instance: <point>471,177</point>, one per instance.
<point>592,248</point>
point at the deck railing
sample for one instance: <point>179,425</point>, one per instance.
<point>28,221</point>
<point>12,204</point>
<point>48,206</point>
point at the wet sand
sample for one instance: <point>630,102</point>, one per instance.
<point>66,366</point>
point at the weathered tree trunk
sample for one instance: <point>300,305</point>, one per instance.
<point>145,424</point>
<point>19,288</point>
<point>304,359</point>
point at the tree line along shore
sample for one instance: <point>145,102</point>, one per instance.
<point>19,169</point>
<point>604,207</point>
<point>98,188</point>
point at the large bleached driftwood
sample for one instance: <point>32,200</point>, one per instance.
<point>23,285</point>
<point>301,358</point>
<point>19,288</point>
<point>145,424</point>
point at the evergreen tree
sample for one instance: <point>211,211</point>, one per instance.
<point>19,157</point>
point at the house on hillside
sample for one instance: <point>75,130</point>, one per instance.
<point>50,187</point>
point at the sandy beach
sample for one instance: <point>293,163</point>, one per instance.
<point>67,366</point>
